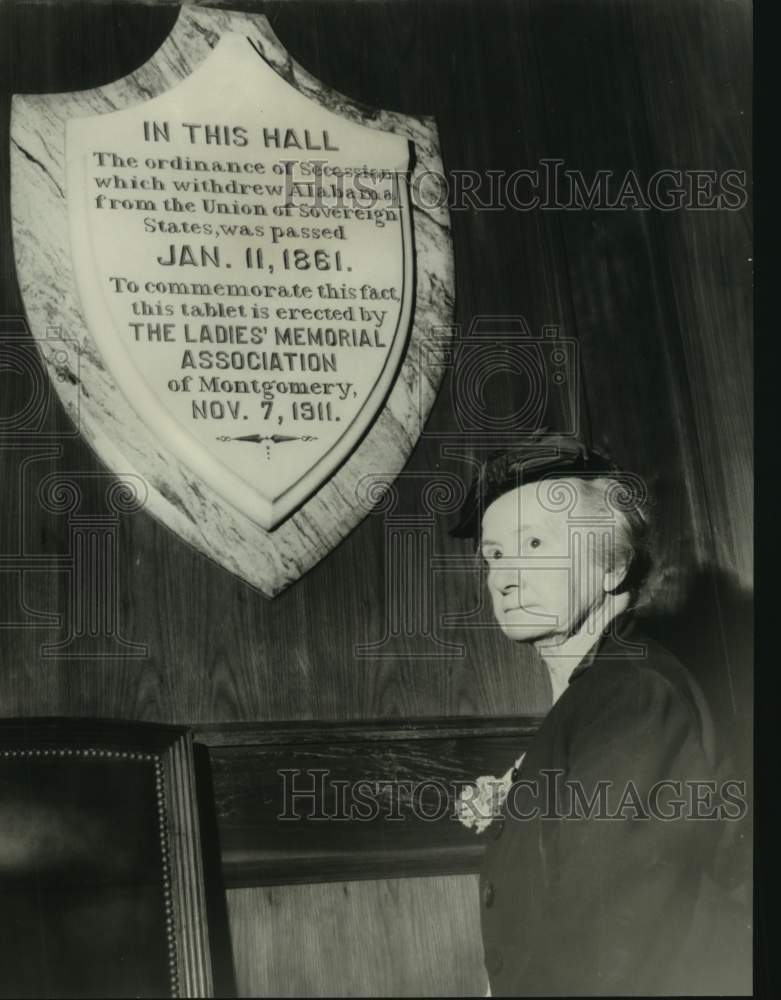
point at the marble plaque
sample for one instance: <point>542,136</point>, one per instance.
<point>240,257</point>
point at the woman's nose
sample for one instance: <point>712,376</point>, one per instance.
<point>507,576</point>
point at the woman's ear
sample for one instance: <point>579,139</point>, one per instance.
<point>615,577</point>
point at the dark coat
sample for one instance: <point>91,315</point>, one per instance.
<point>613,906</point>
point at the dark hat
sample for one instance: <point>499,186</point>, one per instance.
<point>545,456</point>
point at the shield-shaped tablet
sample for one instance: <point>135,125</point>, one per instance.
<point>237,253</point>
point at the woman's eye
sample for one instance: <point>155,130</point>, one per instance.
<point>492,554</point>
<point>535,543</point>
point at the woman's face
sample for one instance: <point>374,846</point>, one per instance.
<point>542,572</point>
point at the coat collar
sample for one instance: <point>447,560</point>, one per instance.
<point>619,627</point>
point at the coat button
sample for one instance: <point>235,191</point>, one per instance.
<point>493,960</point>
<point>488,895</point>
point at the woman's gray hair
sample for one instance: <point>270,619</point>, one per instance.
<point>622,502</point>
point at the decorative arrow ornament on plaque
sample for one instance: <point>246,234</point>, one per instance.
<point>235,256</point>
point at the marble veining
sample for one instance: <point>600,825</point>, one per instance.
<point>269,561</point>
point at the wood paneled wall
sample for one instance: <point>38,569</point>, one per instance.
<point>400,937</point>
<point>659,305</point>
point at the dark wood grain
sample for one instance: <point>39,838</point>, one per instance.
<point>708,268</point>
<point>406,826</point>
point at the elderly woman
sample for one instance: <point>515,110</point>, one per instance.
<point>592,880</point>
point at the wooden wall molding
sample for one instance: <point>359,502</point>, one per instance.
<point>400,822</point>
